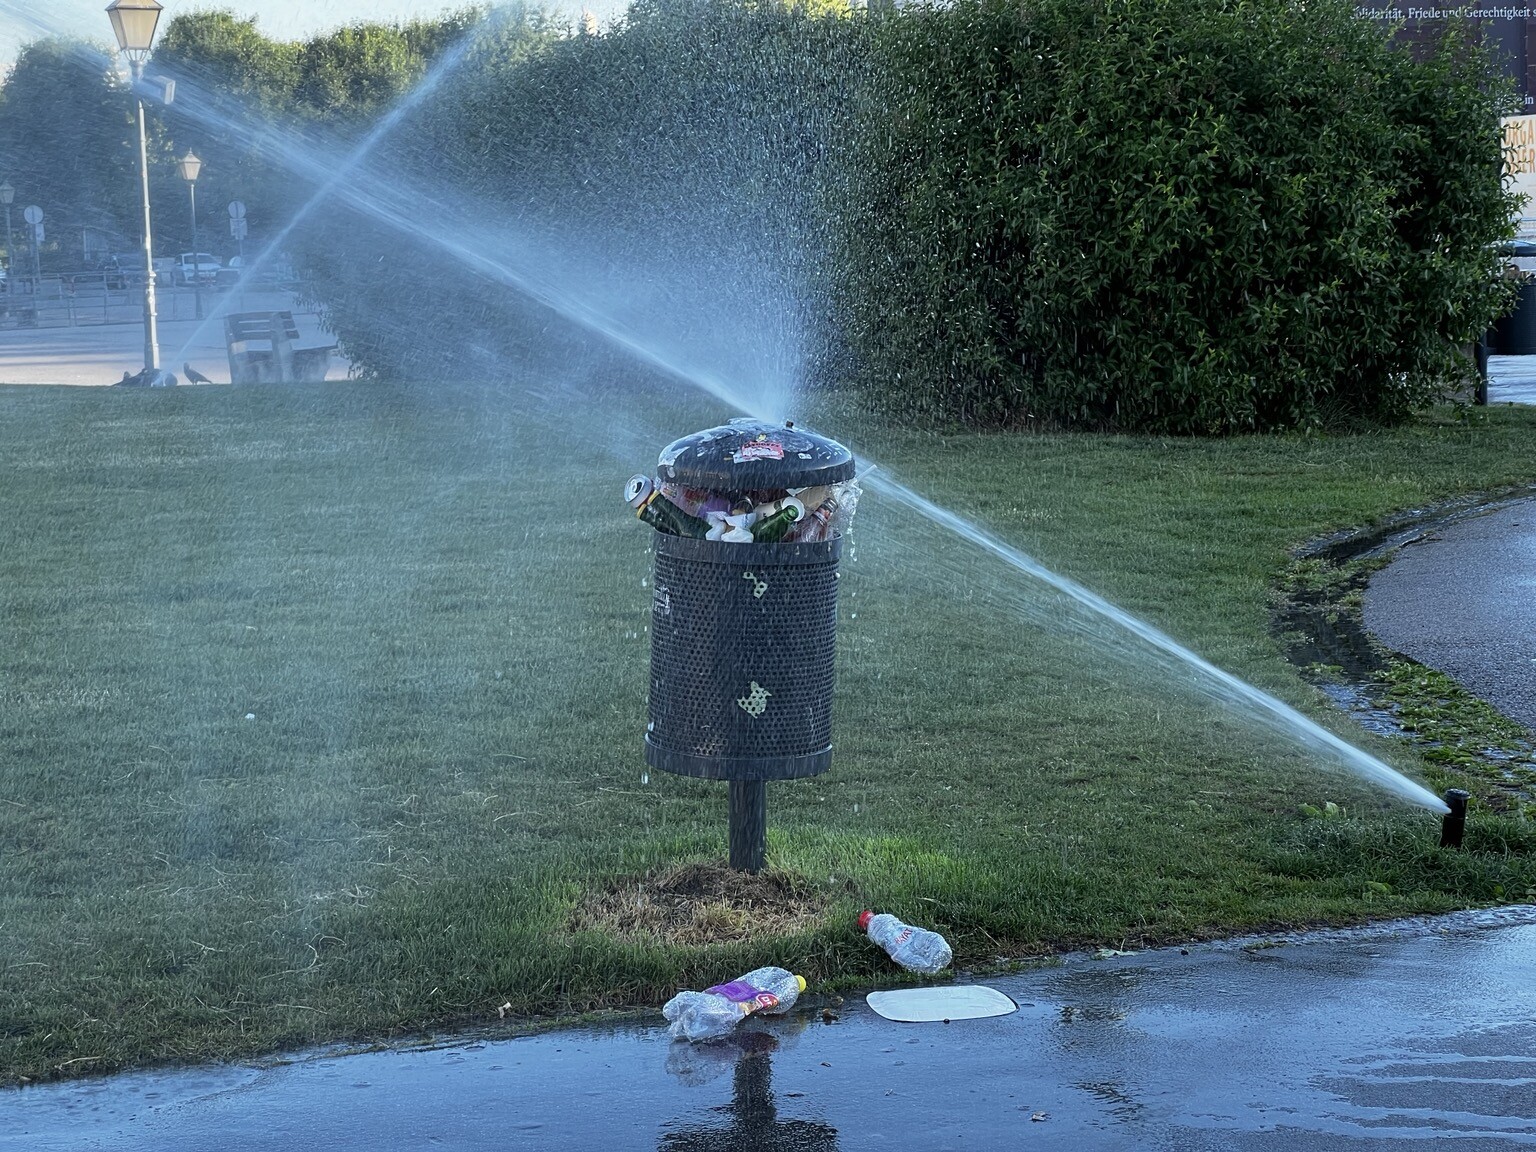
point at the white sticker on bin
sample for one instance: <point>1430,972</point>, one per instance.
<point>755,702</point>
<point>945,1002</point>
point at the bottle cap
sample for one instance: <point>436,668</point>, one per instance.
<point>800,980</point>
<point>864,919</point>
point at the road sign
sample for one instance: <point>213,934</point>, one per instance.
<point>237,228</point>
<point>33,214</point>
<point>37,233</point>
<point>237,209</point>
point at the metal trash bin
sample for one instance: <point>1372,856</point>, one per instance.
<point>743,632</point>
<point>1515,334</point>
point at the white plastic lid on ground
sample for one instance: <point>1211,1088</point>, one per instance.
<point>950,1002</point>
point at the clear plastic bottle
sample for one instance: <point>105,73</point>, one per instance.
<point>715,1011</point>
<point>916,949</point>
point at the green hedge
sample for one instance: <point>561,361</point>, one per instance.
<point>1188,216</point>
<point>1168,215</point>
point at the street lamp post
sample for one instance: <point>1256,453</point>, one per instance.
<point>7,197</point>
<point>133,23</point>
<point>190,166</point>
<point>34,216</point>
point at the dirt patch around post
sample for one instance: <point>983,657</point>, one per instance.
<point>701,903</point>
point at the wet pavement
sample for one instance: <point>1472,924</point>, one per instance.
<point>1463,601</point>
<point>1375,1039</point>
<point>99,353</point>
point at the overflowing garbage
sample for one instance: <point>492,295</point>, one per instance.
<point>768,516</point>
<point>716,1011</point>
<point>915,949</point>
<point>740,503</point>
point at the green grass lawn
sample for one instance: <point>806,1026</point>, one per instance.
<point>320,711</point>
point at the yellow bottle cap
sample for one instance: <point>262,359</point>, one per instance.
<point>800,980</point>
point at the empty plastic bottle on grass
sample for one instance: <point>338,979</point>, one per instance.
<point>715,1011</point>
<point>915,949</point>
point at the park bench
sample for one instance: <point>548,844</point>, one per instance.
<point>263,350</point>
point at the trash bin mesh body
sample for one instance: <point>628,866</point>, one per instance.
<point>743,641</point>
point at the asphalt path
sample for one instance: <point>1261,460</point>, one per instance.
<point>99,353</point>
<point>1379,1039</point>
<point>1463,600</point>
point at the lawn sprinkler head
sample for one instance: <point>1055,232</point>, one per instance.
<point>1454,822</point>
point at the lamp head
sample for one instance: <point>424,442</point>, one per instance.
<point>133,23</point>
<point>190,165</point>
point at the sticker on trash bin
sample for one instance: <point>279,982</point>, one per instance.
<point>755,702</point>
<point>944,1002</point>
<point>760,449</point>
<point>758,586</point>
<point>661,601</point>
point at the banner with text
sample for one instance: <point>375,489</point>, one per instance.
<point>1511,31</point>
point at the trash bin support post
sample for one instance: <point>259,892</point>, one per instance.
<point>749,825</point>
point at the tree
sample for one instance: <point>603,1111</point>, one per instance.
<point>225,54</point>
<point>237,92</point>
<point>357,71</point>
<point>68,144</point>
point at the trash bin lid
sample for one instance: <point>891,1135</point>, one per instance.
<point>747,454</point>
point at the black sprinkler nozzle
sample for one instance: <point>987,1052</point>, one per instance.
<point>1454,822</point>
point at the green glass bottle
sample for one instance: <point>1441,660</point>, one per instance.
<point>776,525</point>
<point>665,516</point>
<point>659,512</point>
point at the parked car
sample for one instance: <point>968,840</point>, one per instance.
<point>200,266</point>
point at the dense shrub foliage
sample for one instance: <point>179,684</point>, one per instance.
<point>1173,215</point>
<point>1185,216</point>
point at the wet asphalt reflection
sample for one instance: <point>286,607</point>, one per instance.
<point>1372,1039</point>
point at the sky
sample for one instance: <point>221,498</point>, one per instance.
<point>24,20</point>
